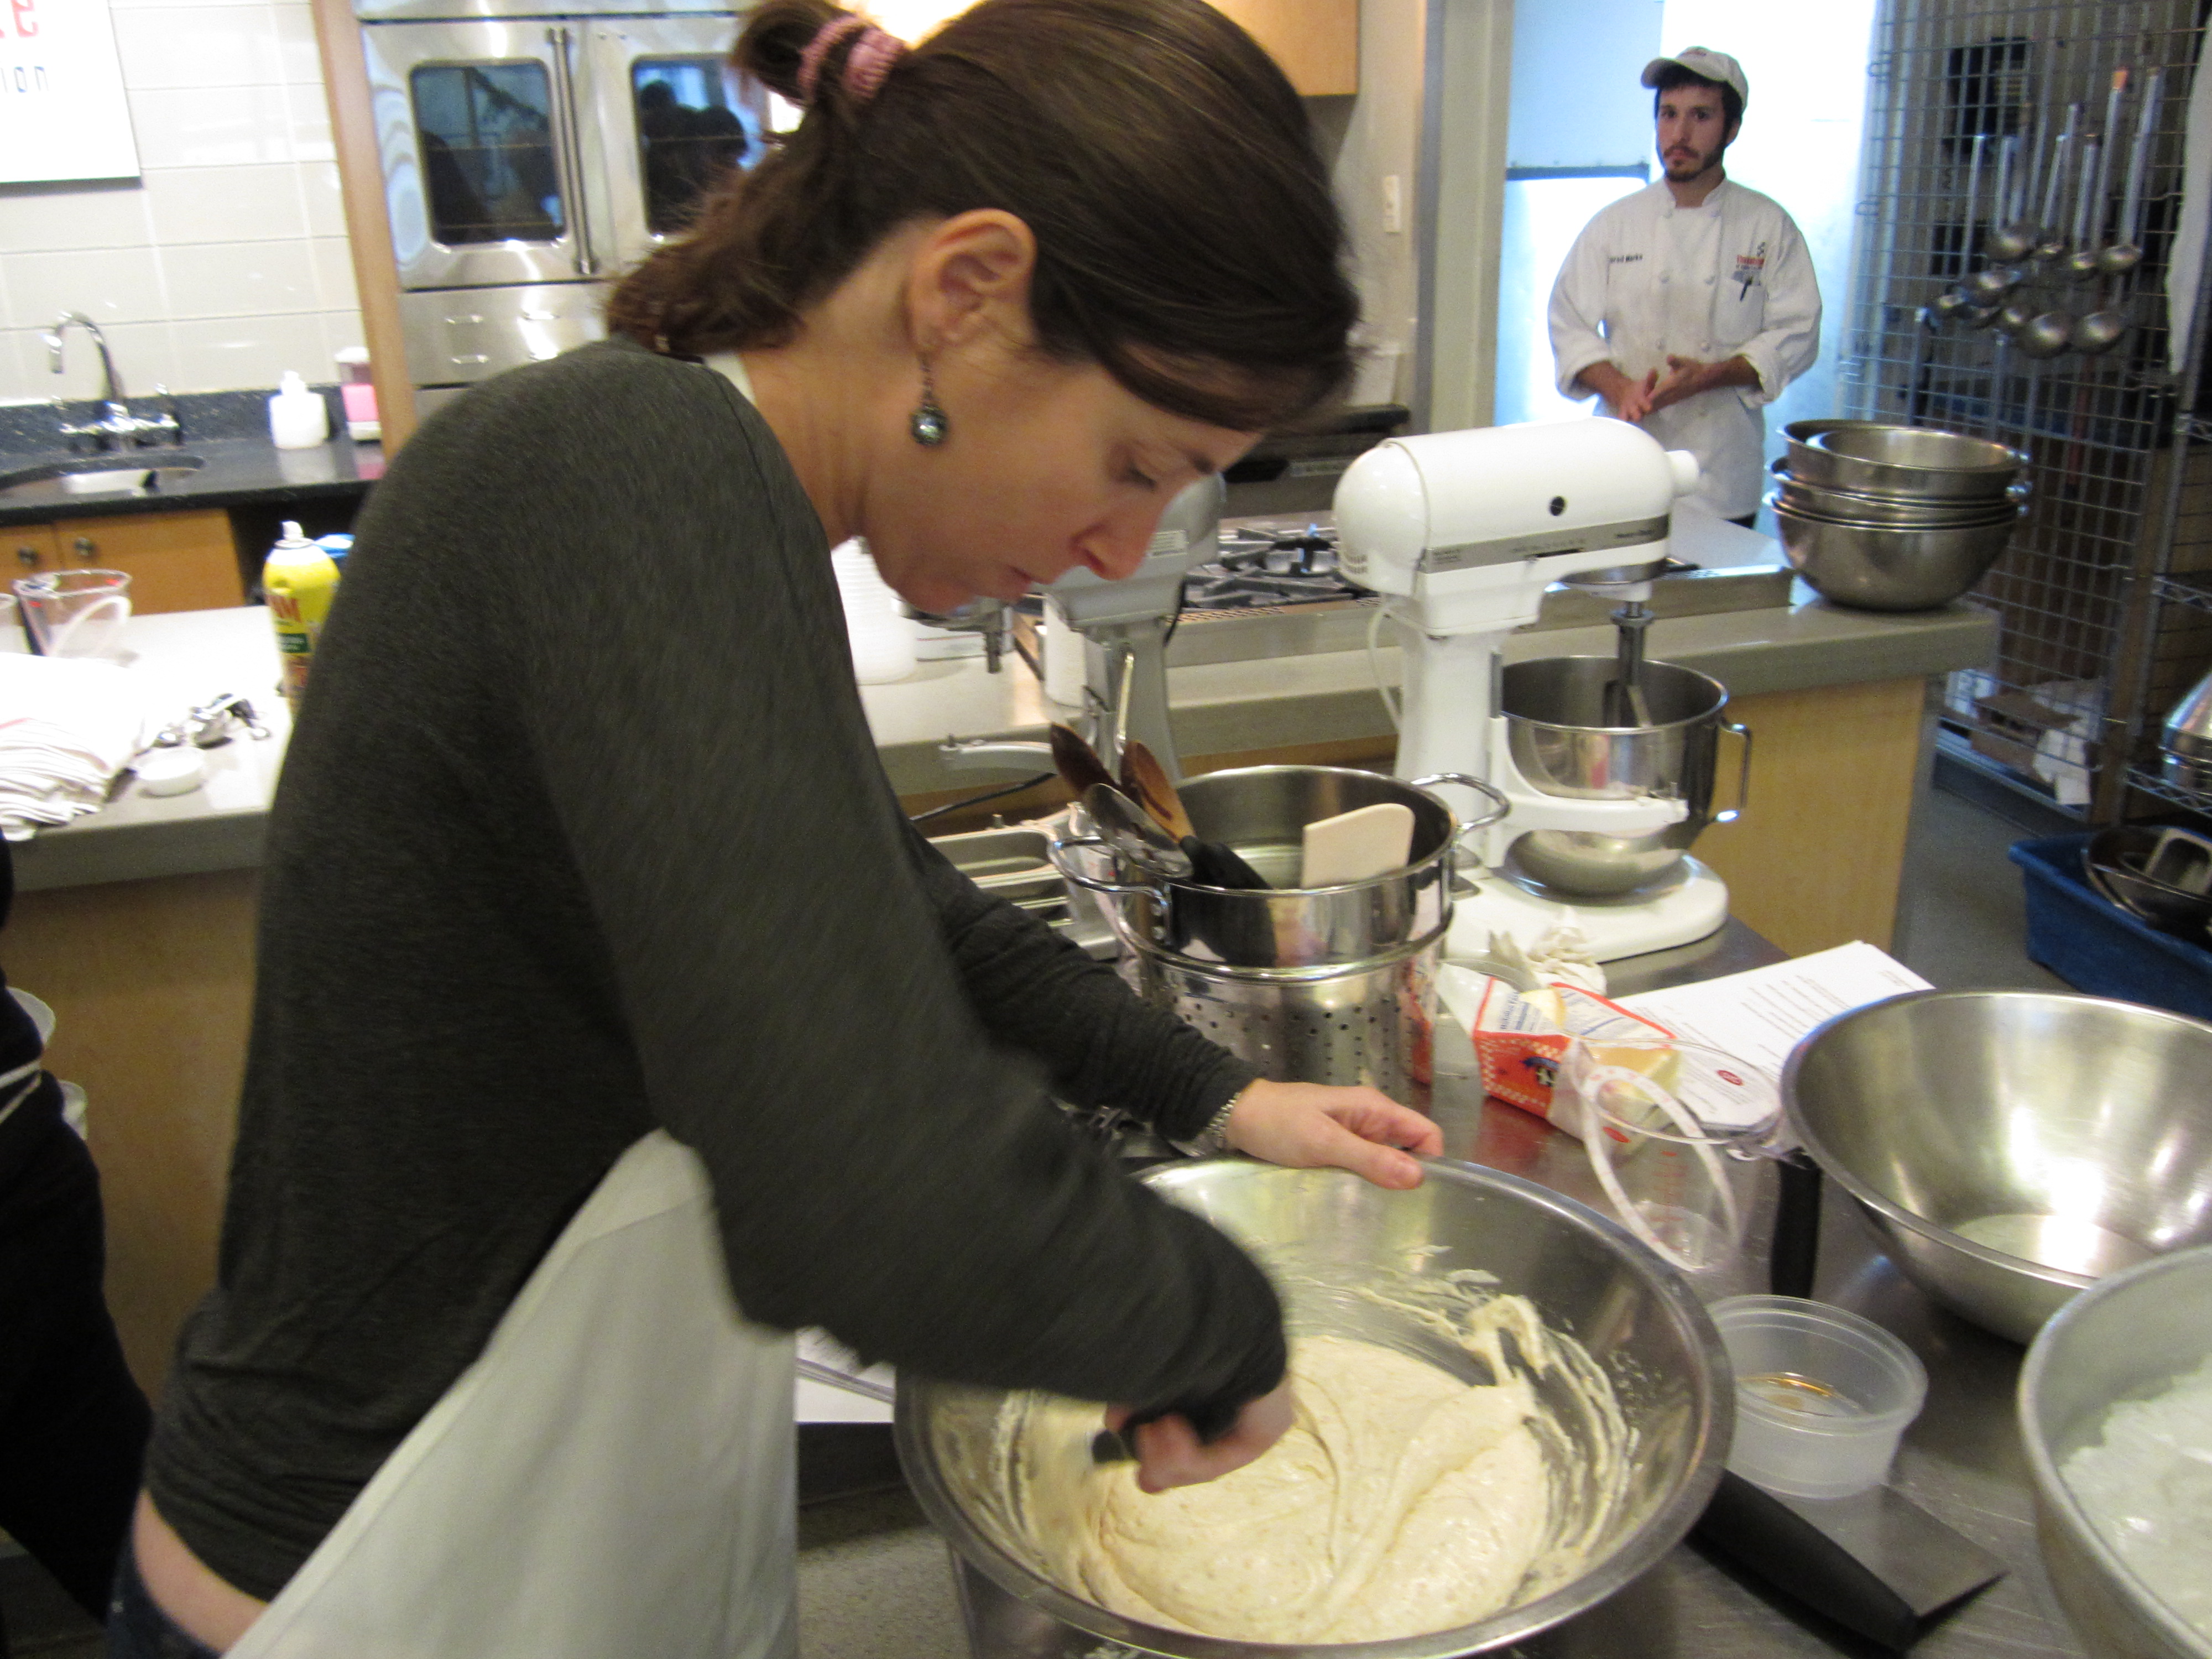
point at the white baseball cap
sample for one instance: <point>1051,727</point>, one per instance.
<point>1716,66</point>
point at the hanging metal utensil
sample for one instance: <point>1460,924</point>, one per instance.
<point>2047,334</point>
<point>2126,254</point>
<point>1923,324</point>
<point>2007,238</point>
<point>2088,251</point>
<point>2000,360</point>
<point>2049,233</point>
<point>1967,226</point>
<point>2081,258</point>
<point>2101,329</point>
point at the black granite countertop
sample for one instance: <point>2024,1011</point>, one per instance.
<point>227,432</point>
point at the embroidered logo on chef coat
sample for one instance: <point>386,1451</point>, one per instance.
<point>1624,259</point>
<point>1749,268</point>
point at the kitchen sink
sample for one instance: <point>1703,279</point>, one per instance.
<point>60,482</point>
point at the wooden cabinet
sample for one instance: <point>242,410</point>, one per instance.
<point>31,547</point>
<point>1315,42</point>
<point>176,560</point>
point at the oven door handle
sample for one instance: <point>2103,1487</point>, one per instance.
<point>558,37</point>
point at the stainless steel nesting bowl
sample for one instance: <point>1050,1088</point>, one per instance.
<point>1801,495</point>
<point>1917,463</point>
<point>1881,567</point>
<point>1327,1235</point>
<point>2126,1338</point>
<point>2011,1147</point>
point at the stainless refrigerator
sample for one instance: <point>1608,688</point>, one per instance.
<point>529,158</point>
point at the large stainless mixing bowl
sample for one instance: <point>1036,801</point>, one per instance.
<point>2013,1148</point>
<point>2127,1338</point>
<point>1885,567</point>
<point>1326,1234</point>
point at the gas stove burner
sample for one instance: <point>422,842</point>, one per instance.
<point>1230,590</point>
<point>1308,552</point>
<point>1261,566</point>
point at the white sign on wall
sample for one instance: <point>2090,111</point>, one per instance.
<point>62,112</point>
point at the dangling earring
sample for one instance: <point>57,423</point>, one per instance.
<point>929,424</point>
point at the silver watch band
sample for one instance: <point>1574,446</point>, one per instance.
<point>1214,1137</point>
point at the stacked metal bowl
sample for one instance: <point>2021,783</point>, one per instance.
<point>1894,518</point>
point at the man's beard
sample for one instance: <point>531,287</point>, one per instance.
<point>1690,167</point>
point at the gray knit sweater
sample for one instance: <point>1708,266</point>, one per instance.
<point>581,833</point>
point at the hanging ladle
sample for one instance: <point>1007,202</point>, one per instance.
<point>2009,237</point>
<point>2089,200</point>
<point>2052,233</point>
<point>2085,259</point>
<point>1954,300</point>
<point>2124,256</point>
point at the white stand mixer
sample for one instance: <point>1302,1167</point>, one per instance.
<point>1461,532</point>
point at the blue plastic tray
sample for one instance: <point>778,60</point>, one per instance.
<point>2097,947</point>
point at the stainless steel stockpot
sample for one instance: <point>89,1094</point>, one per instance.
<point>1556,731</point>
<point>1263,811</point>
<point>1309,984</point>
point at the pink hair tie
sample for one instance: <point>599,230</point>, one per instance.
<point>866,64</point>
<point>869,61</point>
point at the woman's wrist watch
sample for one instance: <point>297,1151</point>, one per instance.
<point>1214,1137</point>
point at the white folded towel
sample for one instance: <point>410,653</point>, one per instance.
<point>68,725</point>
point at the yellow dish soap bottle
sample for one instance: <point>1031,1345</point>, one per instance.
<point>297,581</point>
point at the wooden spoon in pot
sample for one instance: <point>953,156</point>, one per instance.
<point>1213,863</point>
<point>1078,762</point>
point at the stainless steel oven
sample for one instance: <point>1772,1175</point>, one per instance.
<point>529,158</point>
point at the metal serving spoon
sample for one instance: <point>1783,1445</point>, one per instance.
<point>1129,830</point>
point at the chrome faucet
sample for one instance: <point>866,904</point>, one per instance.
<point>117,424</point>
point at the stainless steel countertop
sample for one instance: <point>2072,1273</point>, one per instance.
<point>1961,1462</point>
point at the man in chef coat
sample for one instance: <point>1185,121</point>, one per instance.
<point>1689,306</point>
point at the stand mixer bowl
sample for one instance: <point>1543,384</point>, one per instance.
<point>1559,739</point>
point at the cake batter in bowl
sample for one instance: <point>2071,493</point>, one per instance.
<point>1541,1399</point>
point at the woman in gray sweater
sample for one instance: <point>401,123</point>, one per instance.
<point>612,1022</point>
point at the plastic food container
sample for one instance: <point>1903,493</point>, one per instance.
<point>1822,1396</point>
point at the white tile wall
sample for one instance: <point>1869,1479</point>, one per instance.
<point>226,263</point>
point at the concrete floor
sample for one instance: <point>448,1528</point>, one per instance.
<point>1962,915</point>
<point>873,1578</point>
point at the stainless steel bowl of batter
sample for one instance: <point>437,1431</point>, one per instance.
<point>1342,1252</point>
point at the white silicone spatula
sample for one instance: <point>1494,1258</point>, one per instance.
<point>1358,845</point>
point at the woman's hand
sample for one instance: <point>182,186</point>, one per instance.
<point>1169,1453</point>
<point>1310,1125</point>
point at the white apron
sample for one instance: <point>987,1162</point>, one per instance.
<point>614,1478</point>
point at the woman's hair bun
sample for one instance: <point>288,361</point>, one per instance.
<point>773,42</point>
<point>1186,239</point>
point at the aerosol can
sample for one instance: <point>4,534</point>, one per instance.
<point>297,582</point>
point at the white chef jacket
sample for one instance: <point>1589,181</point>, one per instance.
<point>1731,278</point>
